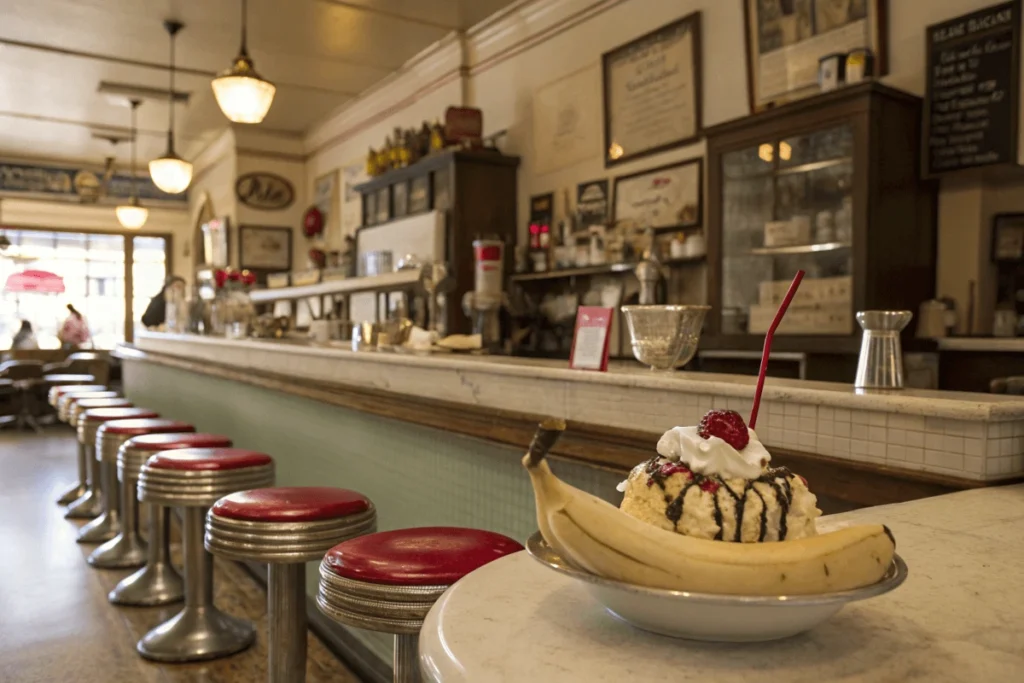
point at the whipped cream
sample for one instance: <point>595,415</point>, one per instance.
<point>713,456</point>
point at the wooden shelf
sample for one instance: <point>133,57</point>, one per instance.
<point>801,248</point>
<point>387,282</point>
<point>605,269</point>
<point>435,162</point>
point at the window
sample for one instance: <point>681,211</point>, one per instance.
<point>93,267</point>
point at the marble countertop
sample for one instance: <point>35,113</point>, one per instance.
<point>958,617</point>
<point>625,375</point>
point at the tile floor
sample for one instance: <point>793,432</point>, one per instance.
<point>55,621</point>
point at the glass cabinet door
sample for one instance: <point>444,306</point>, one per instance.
<point>787,205</point>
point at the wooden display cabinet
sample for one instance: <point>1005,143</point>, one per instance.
<point>477,191</point>
<point>829,184</point>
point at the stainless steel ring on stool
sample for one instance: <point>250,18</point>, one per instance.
<point>108,524</point>
<point>200,631</point>
<point>158,583</point>
<point>89,504</point>
<point>388,581</point>
<point>126,549</point>
<point>285,528</point>
<point>78,489</point>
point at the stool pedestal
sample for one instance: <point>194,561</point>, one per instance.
<point>90,504</point>
<point>200,631</point>
<point>286,616</point>
<point>158,583</point>
<point>77,490</point>
<point>107,523</point>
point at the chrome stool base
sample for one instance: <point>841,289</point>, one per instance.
<point>88,506</point>
<point>100,530</point>
<point>196,634</point>
<point>123,551</point>
<point>72,494</point>
<point>155,584</point>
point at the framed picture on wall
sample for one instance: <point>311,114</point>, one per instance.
<point>1008,237</point>
<point>786,38</point>
<point>668,197</point>
<point>652,92</point>
<point>264,248</point>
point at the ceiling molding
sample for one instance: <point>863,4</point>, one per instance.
<point>92,126</point>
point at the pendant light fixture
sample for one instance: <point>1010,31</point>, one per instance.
<point>131,216</point>
<point>171,173</point>
<point>242,94</point>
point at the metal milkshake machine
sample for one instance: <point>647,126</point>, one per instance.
<point>483,305</point>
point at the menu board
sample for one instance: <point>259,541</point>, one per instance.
<point>973,76</point>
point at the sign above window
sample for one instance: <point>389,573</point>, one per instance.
<point>265,191</point>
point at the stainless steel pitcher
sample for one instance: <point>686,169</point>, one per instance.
<point>880,365</point>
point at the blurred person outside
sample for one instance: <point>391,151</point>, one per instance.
<point>74,333</point>
<point>25,339</point>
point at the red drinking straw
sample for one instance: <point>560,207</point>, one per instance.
<point>768,345</point>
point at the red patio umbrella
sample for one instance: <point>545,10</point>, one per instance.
<point>40,281</point>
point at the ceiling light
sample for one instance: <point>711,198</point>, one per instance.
<point>171,173</point>
<point>131,216</point>
<point>241,93</point>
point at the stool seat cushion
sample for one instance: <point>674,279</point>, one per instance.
<point>136,426</point>
<point>77,389</point>
<point>170,442</point>
<point>291,504</point>
<point>108,414</point>
<point>426,556</point>
<point>208,459</point>
<point>69,379</point>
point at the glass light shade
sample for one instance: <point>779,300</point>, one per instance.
<point>241,93</point>
<point>171,173</point>
<point>131,216</point>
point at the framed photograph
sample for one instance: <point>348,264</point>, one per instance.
<point>592,203</point>
<point>652,92</point>
<point>264,248</point>
<point>400,198</point>
<point>369,208</point>
<point>383,206</point>
<point>669,197</point>
<point>1008,237</point>
<point>419,194</point>
<point>787,38</point>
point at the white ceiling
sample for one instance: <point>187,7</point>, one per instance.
<point>319,53</point>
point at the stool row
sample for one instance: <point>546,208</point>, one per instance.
<point>130,456</point>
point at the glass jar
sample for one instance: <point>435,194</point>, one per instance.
<point>232,314</point>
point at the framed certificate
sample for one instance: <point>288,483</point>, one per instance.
<point>652,92</point>
<point>662,198</point>
<point>264,248</point>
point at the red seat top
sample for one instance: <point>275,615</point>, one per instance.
<point>77,389</point>
<point>109,402</point>
<point>291,504</point>
<point>56,378</point>
<point>138,426</point>
<point>170,442</point>
<point>427,556</point>
<point>213,459</point>
<point>116,413</point>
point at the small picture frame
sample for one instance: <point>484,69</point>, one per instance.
<point>668,197</point>
<point>400,199</point>
<point>831,71</point>
<point>419,195</point>
<point>383,205</point>
<point>1008,238</point>
<point>262,248</point>
<point>590,339</point>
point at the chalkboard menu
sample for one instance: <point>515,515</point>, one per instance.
<point>973,76</point>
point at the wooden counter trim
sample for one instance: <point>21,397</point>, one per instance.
<point>613,449</point>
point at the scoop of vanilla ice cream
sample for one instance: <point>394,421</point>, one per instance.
<point>775,505</point>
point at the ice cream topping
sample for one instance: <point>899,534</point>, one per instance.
<point>714,456</point>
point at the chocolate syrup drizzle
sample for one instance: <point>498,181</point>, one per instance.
<point>782,490</point>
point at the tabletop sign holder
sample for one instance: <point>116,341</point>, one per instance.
<point>590,340</point>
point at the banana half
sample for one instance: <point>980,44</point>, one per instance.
<point>603,540</point>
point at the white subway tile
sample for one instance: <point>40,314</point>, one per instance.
<point>824,444</point>
<point>793,409</point>
<point>809,411</point>
<point>808,424</point>
<point>895,436</point>
<point>934,424</point>
<point>915,439</point>
<point>955,427</point>
<point>992,465</point>
<point>791,422</point>
<point>897,453</point>
<point>935,442</point>
<point>954,444</point>
<point>914,455</point>
<point>860,417</point>
<point>858,447</point>
<point>974,430</point>
<point>808,440</point>
<point>825,426</point>
<point>876,419</point>
<point>1005,446</point>
<point>842,415</point>
<point>993,430</point>
<point>973,446</point>
<point>941,459</point>
<point>876,434</point>
<point>826,413</point>
<point>973,464</point>
<point>841,429</point>
<point>876,449</point>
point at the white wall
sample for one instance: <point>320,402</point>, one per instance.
<point>500,64</point>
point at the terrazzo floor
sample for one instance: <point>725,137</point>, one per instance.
<point>55,621</point>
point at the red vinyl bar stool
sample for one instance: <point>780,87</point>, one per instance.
<point>89,504</point>
<point>54,397</point>
<point>286,527</point>
<point>158,583</point>
<point>126,549</point>
<point>388,581</point>
<point>93,423</point>
<point>195,479</point>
